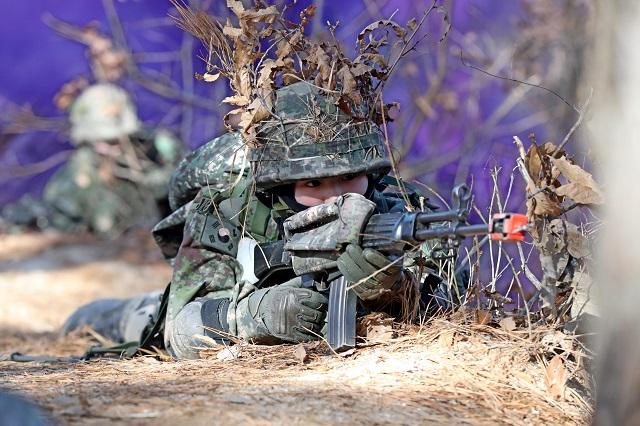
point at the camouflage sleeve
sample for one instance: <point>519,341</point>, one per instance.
<point>205,267</point>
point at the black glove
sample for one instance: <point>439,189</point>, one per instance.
<point>371,272</point>
<point>288,312</point>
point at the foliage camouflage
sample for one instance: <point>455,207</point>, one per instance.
<point>312,138</point>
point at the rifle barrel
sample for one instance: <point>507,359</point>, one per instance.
<point>451,231</point>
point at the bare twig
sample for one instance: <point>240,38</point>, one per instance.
<point>554,93</point>
<point>582,113</point>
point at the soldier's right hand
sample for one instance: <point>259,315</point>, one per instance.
<point>289,312</point>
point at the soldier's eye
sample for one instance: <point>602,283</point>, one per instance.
<point>312,183</point>
<point>349,177</point>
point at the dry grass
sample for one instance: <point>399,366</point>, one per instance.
<point>450,370</point>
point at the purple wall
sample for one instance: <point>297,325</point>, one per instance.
<point>460,135</point>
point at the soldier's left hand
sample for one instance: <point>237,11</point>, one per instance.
<point>372,273</point>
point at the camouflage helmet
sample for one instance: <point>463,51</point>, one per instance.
<point>102,112</point>
<point>310,137</point>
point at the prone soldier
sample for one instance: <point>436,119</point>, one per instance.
<point>116,178</point>
<point>222,210</point>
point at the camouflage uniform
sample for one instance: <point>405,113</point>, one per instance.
<point>224,192</point>
<point>97,189</point>
<point>212,190</point>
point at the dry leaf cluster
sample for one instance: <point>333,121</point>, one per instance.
<point>259,51</point>
<point>555,185</point>
<point>556,179</point>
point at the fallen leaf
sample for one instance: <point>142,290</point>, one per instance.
<point>265,78</point>
<point>285,46</point>
<point>558,341</point>
<point>232,118</point>
<point>543,204</point>
<point>229,353</point>
<point>322,60</point>
<point>380,333</point>
<point>555,377</point>
<point>259,110</point>
<point>508,323</point>
<point>236,6</point>
<point>446,338</point>
<point>372,58</point>
<point>483,317</point>
<point>549,148</point>
<point>376,327</point>
<point>301,354</point>
<point>581,194</point>
<point>348,353</point>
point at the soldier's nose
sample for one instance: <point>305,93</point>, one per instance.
<point>330,199</point>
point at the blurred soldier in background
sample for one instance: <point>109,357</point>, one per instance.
<point>116,179</point>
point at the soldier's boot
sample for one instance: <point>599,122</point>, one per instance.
<point>120,320</point>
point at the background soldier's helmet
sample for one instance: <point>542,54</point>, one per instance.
<point>309,137</point>
<point>102,112</point>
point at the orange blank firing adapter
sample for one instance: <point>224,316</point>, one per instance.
<point>508,226</point>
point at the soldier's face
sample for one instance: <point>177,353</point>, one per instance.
<point>313,192</point>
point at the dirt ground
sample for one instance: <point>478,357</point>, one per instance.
<point>446,371</point>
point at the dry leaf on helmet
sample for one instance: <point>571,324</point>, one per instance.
<point>260,109</point>
<point>349,86</point>
<point>232,31</point>
<point>360,69</point>
<point>321,59</point>
<point>237,100</point>
<point>259,52</point>
<point>383,23</point>
<point>265,78</point>
<point>236,6</point>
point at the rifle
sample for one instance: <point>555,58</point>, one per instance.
<point>389,233</point>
